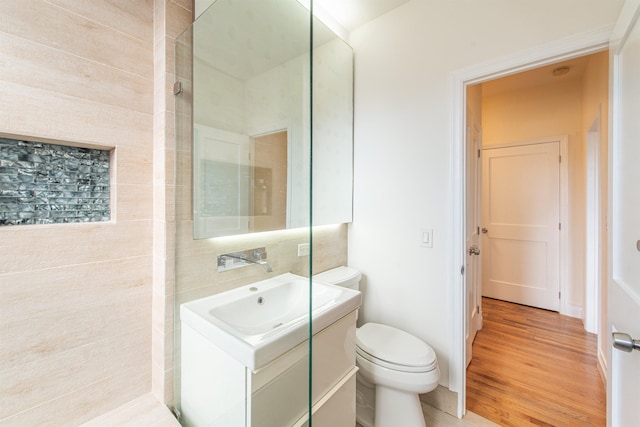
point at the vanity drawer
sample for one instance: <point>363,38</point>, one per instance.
<point>279,395</point>
<point>334,354</point>
<point>337,407</point>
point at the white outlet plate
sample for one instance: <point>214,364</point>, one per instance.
<point>303,249</point>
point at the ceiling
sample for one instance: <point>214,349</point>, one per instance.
<point>351,14</point>
<point>245,38</point>
<point>534,78</point>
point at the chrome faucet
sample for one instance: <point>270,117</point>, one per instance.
<point>250,256</point>
<point>261,262</point>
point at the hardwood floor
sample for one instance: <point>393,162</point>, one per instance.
<point>534,367</point>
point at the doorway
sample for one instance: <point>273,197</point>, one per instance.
<point>513,120</point>
<point>270,180</point>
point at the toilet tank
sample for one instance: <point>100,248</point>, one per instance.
<point>347,277</point>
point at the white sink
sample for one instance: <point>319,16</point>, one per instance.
<point>258,322</point>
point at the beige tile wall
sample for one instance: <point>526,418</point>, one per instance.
<point>75,300</point>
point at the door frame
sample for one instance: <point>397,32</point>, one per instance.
<point>559,50</point>
<point>593,232</point>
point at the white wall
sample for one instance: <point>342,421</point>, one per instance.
<point>403,62</point>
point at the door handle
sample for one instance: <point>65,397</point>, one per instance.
<point>624,342</point>
<point>474,250</point>
<point>485,230</point>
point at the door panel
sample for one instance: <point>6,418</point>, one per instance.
<point>521,212</point>
<point>624,307</point>
<point>473,273</point>
<point>623,290</point>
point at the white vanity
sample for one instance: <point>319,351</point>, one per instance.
<point>245,355</point>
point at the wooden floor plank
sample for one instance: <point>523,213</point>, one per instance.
<point>534,367</point>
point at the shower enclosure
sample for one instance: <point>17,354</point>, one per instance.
<point>263,161</point>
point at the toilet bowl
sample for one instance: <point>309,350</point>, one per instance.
<point>396,364</point>
<point>401,367</point>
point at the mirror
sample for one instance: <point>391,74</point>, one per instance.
<point>253,128</point>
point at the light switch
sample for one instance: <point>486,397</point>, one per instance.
<point>427,238</point>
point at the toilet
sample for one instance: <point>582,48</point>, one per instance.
<point>395,366</point>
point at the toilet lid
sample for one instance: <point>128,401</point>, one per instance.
<point>338,275</point>
<point>394,346</point>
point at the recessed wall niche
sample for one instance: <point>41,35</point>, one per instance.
<point>48,183</point>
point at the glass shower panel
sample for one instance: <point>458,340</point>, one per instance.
<point>243,164</point>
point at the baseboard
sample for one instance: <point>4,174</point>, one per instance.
<point>602,366</point>
<point>572,310</point>
<point>442,399</point>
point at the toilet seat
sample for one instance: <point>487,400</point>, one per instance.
<point>394,366</point>
<point>394,349</point>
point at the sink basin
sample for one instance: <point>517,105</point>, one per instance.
<point>258,322</point>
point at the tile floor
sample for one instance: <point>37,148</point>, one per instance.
<point>436,418</point>
<point>144,411</point>
<point>147,411</point>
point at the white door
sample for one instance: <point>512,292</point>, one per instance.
<point>473,274</point>
<point>222,176</point>
<point>521,217</point>
<point>623,387</point>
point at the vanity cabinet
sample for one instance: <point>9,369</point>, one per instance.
<point>217,390</point>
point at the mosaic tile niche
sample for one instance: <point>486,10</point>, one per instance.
<point>49,183</point>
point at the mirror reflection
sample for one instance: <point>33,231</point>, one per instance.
<point>254,129</point>
<point>241,181</point>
